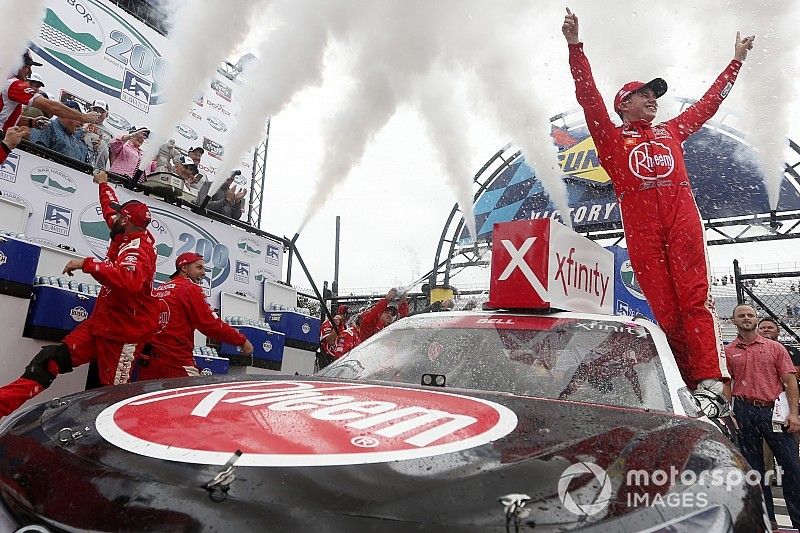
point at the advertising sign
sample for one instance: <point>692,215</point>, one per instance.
<point>628,297</point>
<point>543,264</point>
<point>64,209</point>
<point>725,180</point>
<point>91,49</point>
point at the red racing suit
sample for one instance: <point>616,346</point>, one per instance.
<point>370,325</point>
<point>172,346</point>
<point>663,229</point>
<point>326,329</point>
<point>371,318</point>
<point>16,93</point>
<point>125,315</point>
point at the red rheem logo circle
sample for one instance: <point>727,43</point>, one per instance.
<point>651,160</point>
<point>301,423</point>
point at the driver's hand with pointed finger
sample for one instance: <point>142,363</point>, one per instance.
<point>743,46</point>
<point>570,27</point>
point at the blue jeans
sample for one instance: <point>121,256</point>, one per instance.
<point>755,424</point>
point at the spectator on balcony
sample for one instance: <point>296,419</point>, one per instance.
<point>186,168</point>
<point>98,148</point>
<point>196,153</point>
<point>126,151</point>
<point>227,200</point>
<point>18,93</point>
<point>63,135</point>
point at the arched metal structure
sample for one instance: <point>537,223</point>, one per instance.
<point>452,257</point>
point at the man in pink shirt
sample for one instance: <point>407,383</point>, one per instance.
<point>126,151</point>
<point>760,370</point>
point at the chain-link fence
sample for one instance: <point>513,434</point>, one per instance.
<point>775,295</point>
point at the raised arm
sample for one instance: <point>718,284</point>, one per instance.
<point>693,118</point>
<point>594,109</point>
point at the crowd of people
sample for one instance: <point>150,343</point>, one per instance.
<point>28,112</point>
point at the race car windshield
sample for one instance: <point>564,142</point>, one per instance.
<point>595,361</point>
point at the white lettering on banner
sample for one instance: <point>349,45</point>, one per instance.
<point>582,277</point>
<point>518,261</point>
<point>595,212</point>
<point>422,426</point>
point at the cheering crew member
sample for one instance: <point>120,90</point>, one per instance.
<point>125,316</point>
<point>663,230</point>
<point>371,322</point>
<point>172,347</point>
<point>329,333</point>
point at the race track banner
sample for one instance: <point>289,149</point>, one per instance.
<point>64,209</point>
<point>725,180</point>
<point>92,49</point>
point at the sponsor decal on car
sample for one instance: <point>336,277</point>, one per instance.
<point>301,423</point>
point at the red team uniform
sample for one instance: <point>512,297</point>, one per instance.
<point>663,228</point>
<point>16,93</point>
<point>125,316</point>
<point>172,347</point>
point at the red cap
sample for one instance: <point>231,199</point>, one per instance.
<point>342,310</point>
<point>136,210</point>
<point>658,86</point>
<point>184,259</point>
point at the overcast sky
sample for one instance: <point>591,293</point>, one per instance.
<point>394,203</point>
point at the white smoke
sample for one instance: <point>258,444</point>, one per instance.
<point>394,47</point>
<point>17,31</point>
<point>443,116</point>
<point>203,35</point>
<point>288,59</point>
<point>768,83</point>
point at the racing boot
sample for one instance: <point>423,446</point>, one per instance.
<point>710,399</point>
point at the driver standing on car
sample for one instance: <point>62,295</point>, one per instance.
<point>663,230</point>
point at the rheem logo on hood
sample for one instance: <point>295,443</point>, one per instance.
<point>542,264</point>
<point>301,423</point>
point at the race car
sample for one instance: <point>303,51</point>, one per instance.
<point>450,421</point>
<point>506,419</point>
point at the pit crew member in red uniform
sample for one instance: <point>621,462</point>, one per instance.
<point>329,332</point>
<point>125,316</point>
<point>370,322</point>
<point>17,92</point>
<point>663,230</point>
<point>171,355</point>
